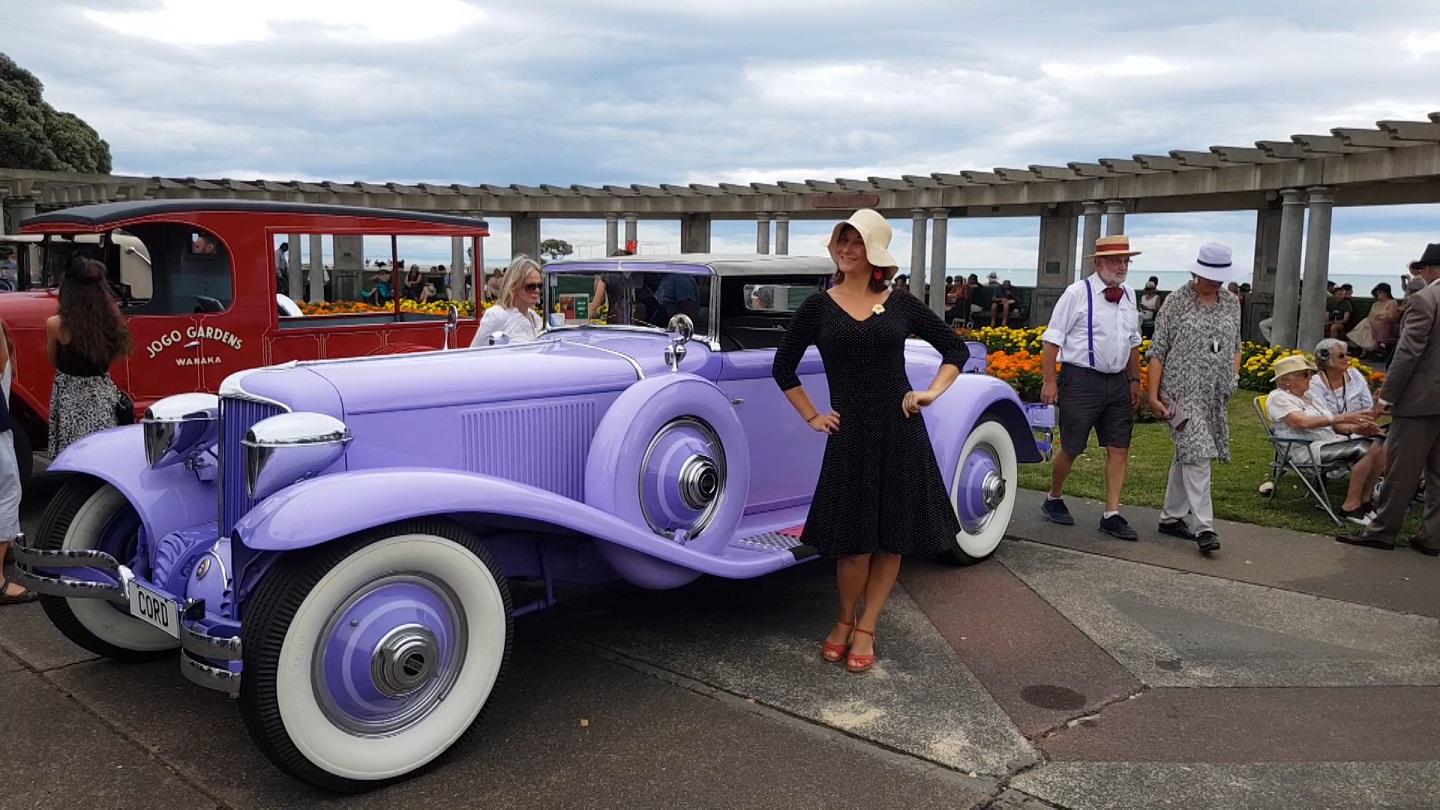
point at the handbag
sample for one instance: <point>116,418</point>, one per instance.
<point>124,409</point>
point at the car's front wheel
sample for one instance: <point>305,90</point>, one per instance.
<point>367,658</point>
<point>983,492</point>
<point>87,514</point>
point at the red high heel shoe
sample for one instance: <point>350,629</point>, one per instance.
<point>860,663</point>
<point>835,653</point>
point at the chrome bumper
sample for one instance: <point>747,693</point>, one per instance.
<point>28,558</point>
<point>196,645</point>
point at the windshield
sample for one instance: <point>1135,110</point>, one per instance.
<point>627,299</point>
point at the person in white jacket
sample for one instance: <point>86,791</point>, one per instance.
<point>514,313</point>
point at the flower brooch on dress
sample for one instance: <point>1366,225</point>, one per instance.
<point>878,309</point>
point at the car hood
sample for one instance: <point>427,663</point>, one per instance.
<point>467,376</point>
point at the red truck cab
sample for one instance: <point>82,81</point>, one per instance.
<point>198,283</point>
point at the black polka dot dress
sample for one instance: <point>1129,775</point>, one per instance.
<point>880,488</point>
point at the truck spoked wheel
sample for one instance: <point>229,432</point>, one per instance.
<point>983,492</point>
<point>366,659</point>
<point>88,514</point>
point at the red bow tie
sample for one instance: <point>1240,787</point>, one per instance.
<point>1114,294</point>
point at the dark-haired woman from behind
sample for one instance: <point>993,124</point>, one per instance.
<point>83,341</point>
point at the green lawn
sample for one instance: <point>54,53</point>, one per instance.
<point>1235,485</point>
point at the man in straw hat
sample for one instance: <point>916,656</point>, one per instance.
<point>1194,368</point>
<point>1412,394</point>
<point>1094,334</point>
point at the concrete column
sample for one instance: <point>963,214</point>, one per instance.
<point>1286,313</point>
<point>1260,303</point>
<point>632,231</point>
<point>762,233</point>
<point>12,211</point>
<point>1114,217</point>
<point>695,233</point>
<point>16,210</point>
<point>782,234</point>
<point>1091,232</point>
<point>1267,250</point>
<point>345,280</point>
<point>1055,267</point>
<point>937,259</point>
<point>317,269</point>
<point>525,236</point>
<point>1317,267</point>
<point>612,234</point>
<point>456,280</point>
<point>294,275</point>
<point>917,251</point>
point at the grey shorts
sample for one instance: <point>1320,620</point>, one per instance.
<point>9,489</point>
<point>1090,400</point>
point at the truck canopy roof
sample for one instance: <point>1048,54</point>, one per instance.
<point>105,215</point>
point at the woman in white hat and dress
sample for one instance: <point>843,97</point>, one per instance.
<point>1333,437</point>
<point>1194,369</point>
<point>880,493</point>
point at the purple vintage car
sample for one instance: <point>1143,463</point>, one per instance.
<point>333,542</point>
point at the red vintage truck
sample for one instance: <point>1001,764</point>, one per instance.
<point>198,282</point>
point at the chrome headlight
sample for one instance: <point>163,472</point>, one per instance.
<point>180,427</point>
<point>291,447</point>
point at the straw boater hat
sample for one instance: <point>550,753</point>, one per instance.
<point>1118,245</point>
<point>874,232</point>
<point>1214,263</point>
<point>1293,363</point>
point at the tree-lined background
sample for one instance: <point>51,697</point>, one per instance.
<point>35,135</point>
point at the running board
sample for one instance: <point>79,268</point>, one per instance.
<point>776,542</point>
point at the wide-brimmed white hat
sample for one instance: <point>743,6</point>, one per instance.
<point>874,232</point>
<point>1214,263</point>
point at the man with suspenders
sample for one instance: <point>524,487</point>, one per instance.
<point>1094,334</point>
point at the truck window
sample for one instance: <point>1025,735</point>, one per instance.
<point>174,269</point>
<point>363,275</point>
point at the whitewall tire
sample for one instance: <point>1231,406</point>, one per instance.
<point>983,520</point>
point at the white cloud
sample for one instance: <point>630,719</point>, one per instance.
<point>1129,66</point>
<point>205,23</point>
<point>1419,44</point>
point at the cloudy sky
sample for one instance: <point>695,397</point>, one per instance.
<point>650,91</point>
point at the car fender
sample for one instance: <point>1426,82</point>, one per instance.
<point>166,500</point>
<point>334,506</point>
<point>972,398</point>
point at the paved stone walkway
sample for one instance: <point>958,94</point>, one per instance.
<point>1073,671</point>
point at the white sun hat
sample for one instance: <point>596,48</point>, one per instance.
<point>874,232</point>
<point>1214,263</point>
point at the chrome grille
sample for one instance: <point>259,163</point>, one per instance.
<point>236,417</point>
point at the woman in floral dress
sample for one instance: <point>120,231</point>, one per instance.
<point>1194,369</point>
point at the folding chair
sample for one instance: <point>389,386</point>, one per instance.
<point>1041,418</point>
<point>1294,455</point>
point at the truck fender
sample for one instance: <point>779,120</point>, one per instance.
<point>166,500</point>
<point>333,506</point>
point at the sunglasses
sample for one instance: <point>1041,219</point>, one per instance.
<point>534,287</point>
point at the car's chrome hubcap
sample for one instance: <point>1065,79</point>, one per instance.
<point>404,660</point>
<point>993,491</point>
<point>699,481</point>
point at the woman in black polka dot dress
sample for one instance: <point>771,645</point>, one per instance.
<point>880,494</point>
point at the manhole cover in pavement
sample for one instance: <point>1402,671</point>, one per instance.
<point>1046,696</point>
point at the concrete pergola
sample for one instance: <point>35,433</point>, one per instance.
<point>1397,162</point>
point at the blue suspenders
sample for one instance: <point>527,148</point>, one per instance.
<point>1090,321</point>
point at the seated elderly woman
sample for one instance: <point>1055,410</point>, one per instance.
<point>1342,388</point>
<point>1297,414</point>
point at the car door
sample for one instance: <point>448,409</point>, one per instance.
<point>785,453</point>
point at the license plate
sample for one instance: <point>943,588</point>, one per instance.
<point>155,609</point>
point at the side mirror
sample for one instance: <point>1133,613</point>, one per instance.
<point>681,329</point>
<point>452,322</point>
